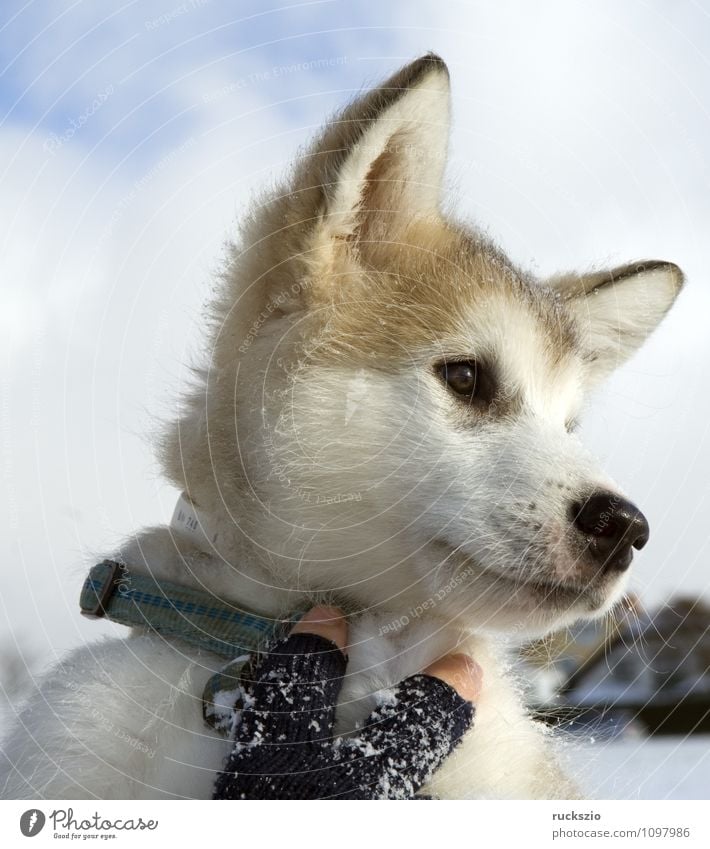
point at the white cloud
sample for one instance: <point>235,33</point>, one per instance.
<point>579,138</point>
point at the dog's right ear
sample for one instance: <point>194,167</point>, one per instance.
<point>616,310</point>
<point>380,163</point>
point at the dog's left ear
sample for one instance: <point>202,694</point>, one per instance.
<point>616,310</point>
<point>380,163</point>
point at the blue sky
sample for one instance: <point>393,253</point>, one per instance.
<point>131,137</point>
<point>163,58</point>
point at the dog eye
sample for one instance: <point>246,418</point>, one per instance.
<point>468,379</point>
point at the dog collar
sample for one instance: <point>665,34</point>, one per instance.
<point>110,591</point>
<point>172,610</point>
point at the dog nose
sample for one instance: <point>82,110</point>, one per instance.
<point>613,526</point>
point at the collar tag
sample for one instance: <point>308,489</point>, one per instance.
<point>191,523</point>
<point>223,696</point>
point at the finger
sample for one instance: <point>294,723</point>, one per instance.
<point>296,685</point>
<point>460,672</point>
<point>327,622</point>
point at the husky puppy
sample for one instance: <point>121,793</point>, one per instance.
<point>385,421</point>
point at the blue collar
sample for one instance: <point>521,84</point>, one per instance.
<point>172,610</point>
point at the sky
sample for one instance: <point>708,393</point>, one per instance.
<point>132,136</point>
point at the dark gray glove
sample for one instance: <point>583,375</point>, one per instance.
<point>284,748</point>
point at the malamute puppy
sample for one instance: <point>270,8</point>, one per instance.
<point>385,421</point>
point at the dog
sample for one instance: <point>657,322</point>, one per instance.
<point>385,421</point>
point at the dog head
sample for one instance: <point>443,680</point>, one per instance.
<point>389,409</point>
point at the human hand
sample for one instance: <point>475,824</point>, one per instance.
<point>284,747</point>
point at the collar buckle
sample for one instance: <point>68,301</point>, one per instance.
<point>97,590</point>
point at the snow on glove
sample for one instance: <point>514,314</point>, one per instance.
<point>284,748</point>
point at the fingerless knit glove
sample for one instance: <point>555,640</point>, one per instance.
<point>284,748</point>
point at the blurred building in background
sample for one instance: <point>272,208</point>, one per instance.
<point>641,671</point>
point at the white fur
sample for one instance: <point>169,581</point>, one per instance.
<point>122,719</point>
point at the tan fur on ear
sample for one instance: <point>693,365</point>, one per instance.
<point>617,309</point>
<point>382,159</point>
<point>379,160</point>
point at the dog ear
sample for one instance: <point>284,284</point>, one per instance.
<point>616,310</point>
<point>380,163</point>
